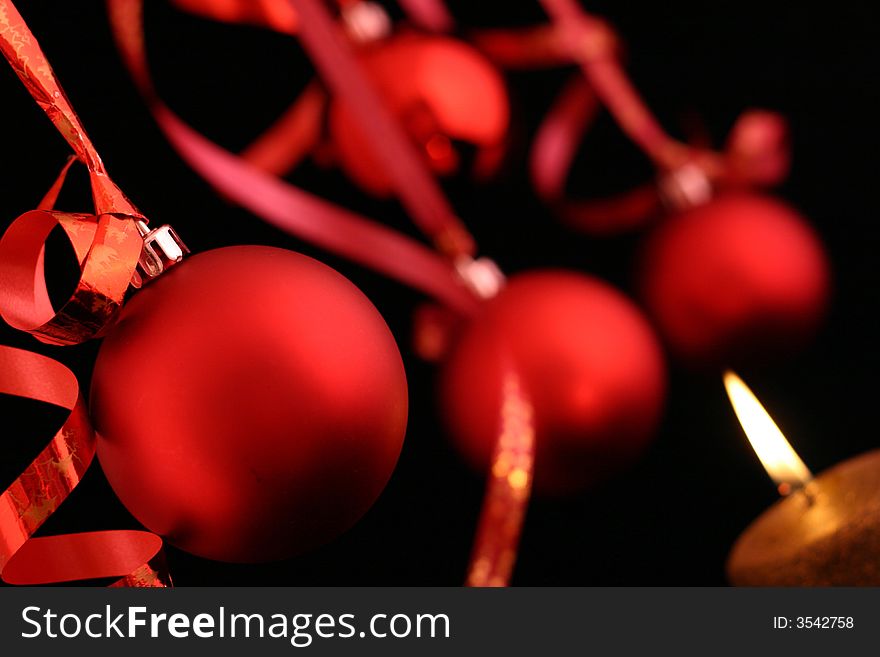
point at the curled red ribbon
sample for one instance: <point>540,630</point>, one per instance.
<point>107,248</point>
<point>107,243</point>
<point>133,558</point>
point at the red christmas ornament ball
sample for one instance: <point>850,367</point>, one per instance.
<point>741,275</point>
<point>586,359</point>
<point>251,404</point>
<point>441,89</point>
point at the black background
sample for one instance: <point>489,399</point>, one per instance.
<point>670,519</point>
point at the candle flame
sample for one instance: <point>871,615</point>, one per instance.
<point>776,454</point>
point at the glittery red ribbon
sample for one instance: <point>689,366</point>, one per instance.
<point>107,245</point>
<point>28,61</point>
<point>508,489</point>
<point>132,558</point>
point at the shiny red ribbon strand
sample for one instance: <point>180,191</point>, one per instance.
<point>291,209</point>
<point>415,186</point>
<point>553,150</point>
<point>557,139</point>
<point>30,64</point>
<point>591,44</point>
<point>132,558</point>
<point>688,173</point>
<point>107,246</point>
<point>107,243</point>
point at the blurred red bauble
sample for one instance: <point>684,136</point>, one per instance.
<point>739,276</point>
<point>442,90</point>
<point>251,404</point>
<point>587,360</point>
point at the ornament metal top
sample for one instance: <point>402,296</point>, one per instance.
<point>163,249</point>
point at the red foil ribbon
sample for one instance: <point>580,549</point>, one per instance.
<point>284,205</point>
<point>30,64</point>
<point>133,558</point>
<point>105,247</point>
<point>107,243</point>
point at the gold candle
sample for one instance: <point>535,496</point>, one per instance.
<point>825,531</point>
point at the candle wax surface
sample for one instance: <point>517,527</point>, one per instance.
<point>833,540</point>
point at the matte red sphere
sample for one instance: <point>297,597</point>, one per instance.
<point>739,276</point>
<point>251,404</point>
<point>441,89</point>
<point>587,360</point>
